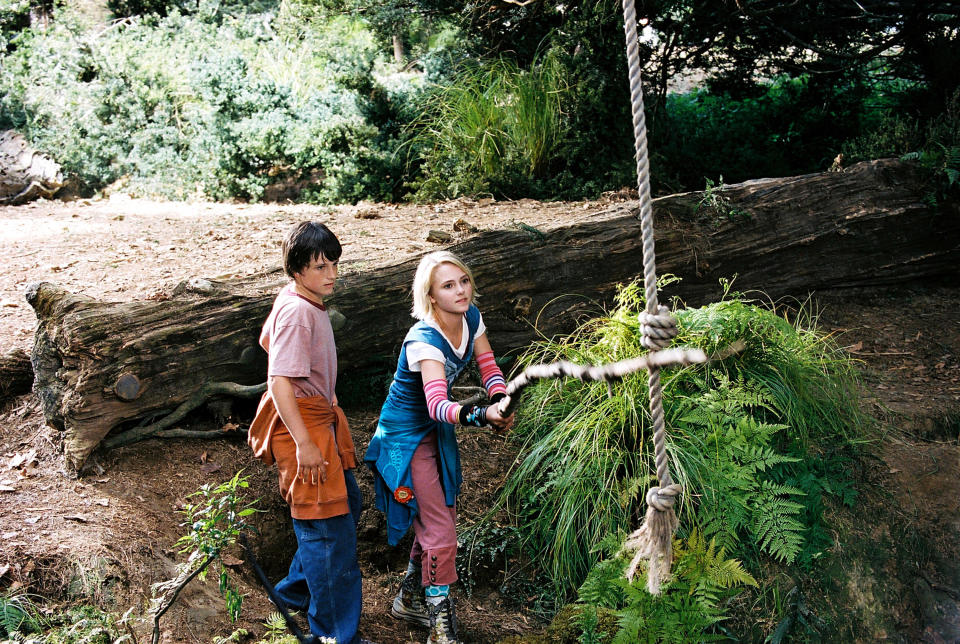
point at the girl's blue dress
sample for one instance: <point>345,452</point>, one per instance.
<point>404,422</point>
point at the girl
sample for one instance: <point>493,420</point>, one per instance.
<point>413,453</point>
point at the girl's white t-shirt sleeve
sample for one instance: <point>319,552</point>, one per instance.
<point>419,351</point>
<point>481,329</point>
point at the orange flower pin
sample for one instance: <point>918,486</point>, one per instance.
<point>402,494</point>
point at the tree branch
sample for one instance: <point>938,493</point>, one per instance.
<point>191,403</point>
<point>176,593</point>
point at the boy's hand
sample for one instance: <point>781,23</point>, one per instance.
<point>310,464</point>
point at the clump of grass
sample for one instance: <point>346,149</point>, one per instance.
<point>737,433</point>
<point>494,127</point>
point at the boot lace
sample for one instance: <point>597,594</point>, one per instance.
<point>443,623</point>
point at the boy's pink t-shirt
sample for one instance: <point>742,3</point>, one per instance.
<point>299,340</point>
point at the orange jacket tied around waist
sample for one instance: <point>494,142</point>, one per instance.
<point>329,431</point>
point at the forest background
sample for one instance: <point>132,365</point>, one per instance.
<point>346,100</point>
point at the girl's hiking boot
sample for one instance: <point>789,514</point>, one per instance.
<point>409,603</point>
<point>443,623</point>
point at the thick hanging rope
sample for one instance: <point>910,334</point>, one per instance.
<point>654,539</point>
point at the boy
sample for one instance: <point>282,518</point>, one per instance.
<point>300,427</point>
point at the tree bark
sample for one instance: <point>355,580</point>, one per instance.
<point>103,366</point>
<point>24,173</point>
<point>398,54</point>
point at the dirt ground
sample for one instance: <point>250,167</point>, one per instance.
<point>111,533</point>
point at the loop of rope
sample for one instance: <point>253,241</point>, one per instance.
<point>663,499</point>
<point>658,330</point>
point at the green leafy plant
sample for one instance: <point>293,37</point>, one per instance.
<point>736,431</point>
<point>486,548</point>
<point>689,606</point>
<point>215,522</point>
<point>276,630</point>
<point>714,199</point>
<point>18,614</point>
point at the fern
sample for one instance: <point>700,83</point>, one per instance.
<point>16,615</point>
<point>588,620</point>
<point>602,586</point>
<point>703,565</point>
<point>673,617</point>
<point>704,579</point>
<point>775,526</point>
<point>739,498</point>
<point>724,514</point>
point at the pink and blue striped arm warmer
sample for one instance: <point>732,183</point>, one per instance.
<point>439,406</point>
<point>491,376</point>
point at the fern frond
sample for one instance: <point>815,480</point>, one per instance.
<point>776,529</point>
<point>757,458</point>
<point>704,565</point>
<point>604,586</point>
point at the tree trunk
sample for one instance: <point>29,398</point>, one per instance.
<point>101,366</point>
<point>24,173</point>
<point>398,54</point>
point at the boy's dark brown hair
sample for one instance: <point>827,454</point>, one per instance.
<point>305,242</point>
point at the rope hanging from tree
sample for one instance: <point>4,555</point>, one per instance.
<point>654,539</point>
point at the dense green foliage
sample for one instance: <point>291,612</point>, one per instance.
<point>494,129</point>
<point>742,434</point>
<point>309,100</point>
<point>791,127</point>
<point>934,142</point>
<point>205,105</point>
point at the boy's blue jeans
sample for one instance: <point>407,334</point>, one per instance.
<point>324,576</point>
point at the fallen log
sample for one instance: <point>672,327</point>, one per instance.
<point>102,367</point>
<point>25,174</point>
<point>16,374</point>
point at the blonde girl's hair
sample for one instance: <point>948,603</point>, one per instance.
<point>423,280</point>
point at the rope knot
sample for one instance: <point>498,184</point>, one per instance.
<point>657,330</point>
<point>663,499</point>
